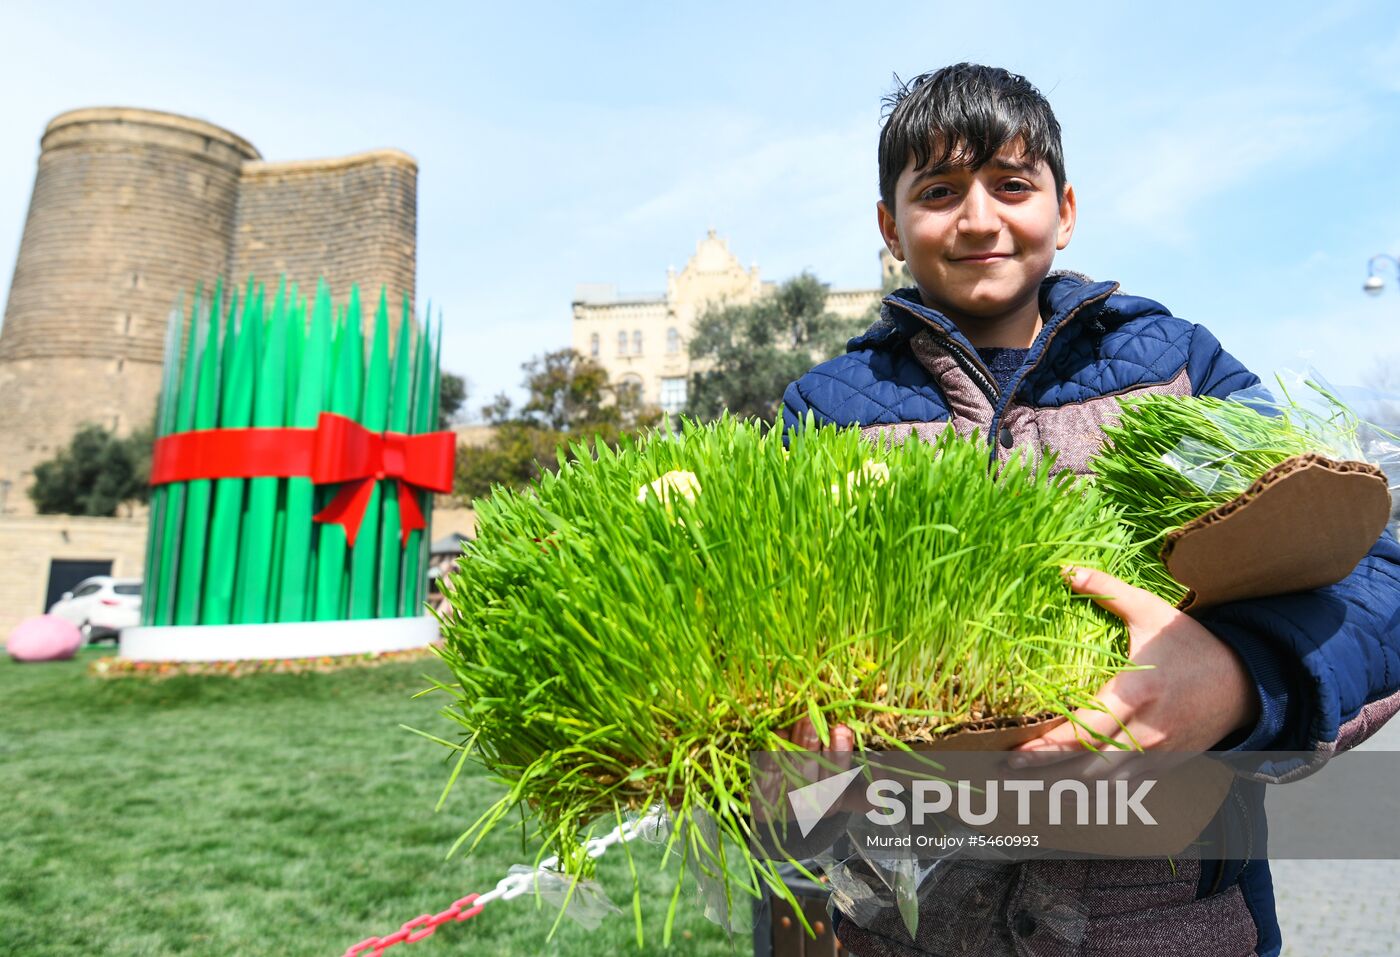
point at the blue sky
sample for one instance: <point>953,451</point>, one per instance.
<point>1237,164</point>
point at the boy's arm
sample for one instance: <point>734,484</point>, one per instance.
<point>1326,663</point>
<point>794,408</point>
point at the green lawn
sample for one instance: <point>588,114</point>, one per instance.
<point>265,815</point>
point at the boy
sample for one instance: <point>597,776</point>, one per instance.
<point>973,198</point>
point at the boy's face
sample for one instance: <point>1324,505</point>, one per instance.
<point>978,242</point>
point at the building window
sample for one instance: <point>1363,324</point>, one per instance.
<point>622,343</point>
<point>630,388</point>
<point>673,340</point>
<point>673,394</point>
<point>595,345</point>
<point>637,343</point>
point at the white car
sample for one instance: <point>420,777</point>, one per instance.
<point>101,606</point>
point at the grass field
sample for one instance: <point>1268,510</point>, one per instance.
<point>264,815</point>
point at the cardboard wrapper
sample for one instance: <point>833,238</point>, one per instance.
<point>1304,524</point>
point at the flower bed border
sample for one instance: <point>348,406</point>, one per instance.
<point>111,667</point>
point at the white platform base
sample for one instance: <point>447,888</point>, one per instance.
<point>302,639</point>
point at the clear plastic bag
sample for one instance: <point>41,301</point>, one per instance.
<point>953,903</point>
<point>720,890</point>
<point>960,900</point>
<point>1378,433</point>
<point>585,902</point>
<point>1320,418</point>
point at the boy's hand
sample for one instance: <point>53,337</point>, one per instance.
<point>825,762</point>
<point>1196,693</point>
<point>828,761</point>
<point>804,734</point>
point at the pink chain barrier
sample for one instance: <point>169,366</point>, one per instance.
<point>509,887</point>
<point>411,933</point>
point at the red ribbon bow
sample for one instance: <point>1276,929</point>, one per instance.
<point>338,450</point>
<point>348,452</point>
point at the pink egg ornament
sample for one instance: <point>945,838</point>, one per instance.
<point>44,638</point>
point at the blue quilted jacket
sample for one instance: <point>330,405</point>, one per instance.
<point>1326,663</point>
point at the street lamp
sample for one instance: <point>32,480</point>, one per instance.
<point>1374,283</point>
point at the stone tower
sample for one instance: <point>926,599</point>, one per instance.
<point>131,208</point>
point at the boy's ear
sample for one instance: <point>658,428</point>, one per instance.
<point>889,231</point>
<point>1069,210</point>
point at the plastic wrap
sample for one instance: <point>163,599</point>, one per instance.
<point>583,901</point>
<point>1342,424</point>
<point>960,903</point>
<point>1378,434</point>
<point>723,894</point>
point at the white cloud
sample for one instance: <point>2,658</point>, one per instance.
<point>815,164</point>
<point>1344,340</point>
<point>1319,259</point>
<point>1159,177</point>
<point>1381,59</point>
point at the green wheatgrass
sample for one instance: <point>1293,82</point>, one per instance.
<point>613,654</point>
<point>160,501</point>
<point>1170,459</point>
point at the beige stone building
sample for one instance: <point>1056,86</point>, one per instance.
<point>130,209</point>
<point>642,339</point>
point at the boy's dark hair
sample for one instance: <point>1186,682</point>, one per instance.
<point>963,114</point>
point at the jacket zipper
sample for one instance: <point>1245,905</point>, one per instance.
<point>969,364</point>
<point>978,373</point>
<point>994,429</point>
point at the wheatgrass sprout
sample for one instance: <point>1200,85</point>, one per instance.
<point>615,654</point>
<point>1171,459</point>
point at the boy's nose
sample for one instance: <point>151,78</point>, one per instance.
<point>978,215</point>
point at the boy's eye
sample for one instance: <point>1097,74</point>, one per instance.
<point>936,192</point>
<point>1017,186</point>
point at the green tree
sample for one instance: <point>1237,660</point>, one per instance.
<point>94,474</point>
<point>570,400</point>
<point>452,395</point>
<point>898,279</point>
<point>747,354</point>
<point>572,393</point>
